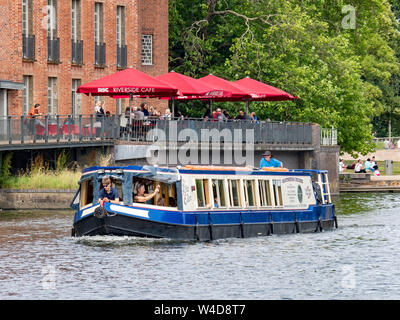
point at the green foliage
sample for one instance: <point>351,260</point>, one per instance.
<point>344,77</point>
<point>5,168</point>
<point>61,161</point>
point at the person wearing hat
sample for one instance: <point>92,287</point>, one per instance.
<point>268,161</point>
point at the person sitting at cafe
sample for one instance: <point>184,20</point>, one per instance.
<point>108,193</point>
<point>269,162</point>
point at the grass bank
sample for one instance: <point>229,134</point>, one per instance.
<point>46,179</point>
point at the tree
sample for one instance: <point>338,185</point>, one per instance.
<point>344,76</point>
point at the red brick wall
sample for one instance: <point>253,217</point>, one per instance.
<point>142,16</point>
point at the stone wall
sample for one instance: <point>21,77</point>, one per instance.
<point>35,199</point>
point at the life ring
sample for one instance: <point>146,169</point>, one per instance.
<point>100,212</point>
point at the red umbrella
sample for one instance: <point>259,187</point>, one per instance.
<point>192,87</point>
<point>222,84</point>
<point>128,82</point>
<point>262,92</point>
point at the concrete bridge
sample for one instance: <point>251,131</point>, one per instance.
<point>175,142</point>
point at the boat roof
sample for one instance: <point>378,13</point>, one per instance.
<point>194,169</point>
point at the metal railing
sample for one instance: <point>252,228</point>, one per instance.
<point>328,137</point>
<point>77,51</point>
<point>63,128</point>
<point>100,54</point>
<point>53,50</point>
<point>28,47</point>
<point>122,55</point>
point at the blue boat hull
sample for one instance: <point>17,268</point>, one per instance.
<point>203,226</point>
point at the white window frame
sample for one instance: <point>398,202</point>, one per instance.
<point>52,19</point>
<point>52,96</point>
<point>25,95</point>
<point>76,103</point>
<point>98,21</point>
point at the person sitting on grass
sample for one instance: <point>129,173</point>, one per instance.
<point>108,193</point>
<point>359,168</point>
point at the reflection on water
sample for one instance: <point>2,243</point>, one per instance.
<point>40,260</point>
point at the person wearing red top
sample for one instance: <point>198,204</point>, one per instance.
<point>34,111</point>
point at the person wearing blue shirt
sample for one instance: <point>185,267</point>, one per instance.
<point>268,161</point>
<point>108,193</point>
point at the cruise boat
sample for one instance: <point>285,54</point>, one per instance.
<point>204,203</point>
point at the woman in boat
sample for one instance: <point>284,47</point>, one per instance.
<point>145,197</point>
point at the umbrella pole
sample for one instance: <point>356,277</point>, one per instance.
<point>173,107</point>
<point>247,106</point>
<point>211,106</point>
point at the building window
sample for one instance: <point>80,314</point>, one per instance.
<point>53,43</point>
<point>76,20</point>
<point>76,98</point>
<point>76,42</point>
<point>100,47</point>
<point>27,21</point>
<point>98,23</point>
<point>52,96</point>
<point>28,39</point>
<point>121,46</point>
<point>27,94</point>
<point>52,19</point>
<point>147,49</point>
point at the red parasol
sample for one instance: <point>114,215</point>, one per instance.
<point>222,84</point>
<point>128,82</point>
<point>192,87</point>
<point>260,91</point>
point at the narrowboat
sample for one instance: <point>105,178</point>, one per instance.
<point>204,203</point>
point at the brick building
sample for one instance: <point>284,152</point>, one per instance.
<point>50,47</point>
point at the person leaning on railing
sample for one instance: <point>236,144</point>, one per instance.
<point>269,162</point>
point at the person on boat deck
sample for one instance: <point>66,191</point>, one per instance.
<point>268,161</point>
<point>108,193</point>
<point>145,197</point>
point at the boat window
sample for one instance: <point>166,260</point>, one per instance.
<point>203,196</point>
<point>218,193</point>
<point>234,195</point>
<point>86,196</point>
<point>166,197</point>
<point>265,193</point>
<point>249,196</point>
<point>277,192</point>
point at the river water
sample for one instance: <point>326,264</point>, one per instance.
<point>359,260</point>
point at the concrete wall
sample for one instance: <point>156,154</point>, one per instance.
<point>35,199</point>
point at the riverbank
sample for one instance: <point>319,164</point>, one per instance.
<point>359,182</point>
<point>16,199</point>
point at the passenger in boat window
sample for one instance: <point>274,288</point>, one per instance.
<point>145,197</point>
<point>268,161</point>
<point>161,202</point>
<point>108,193</point>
